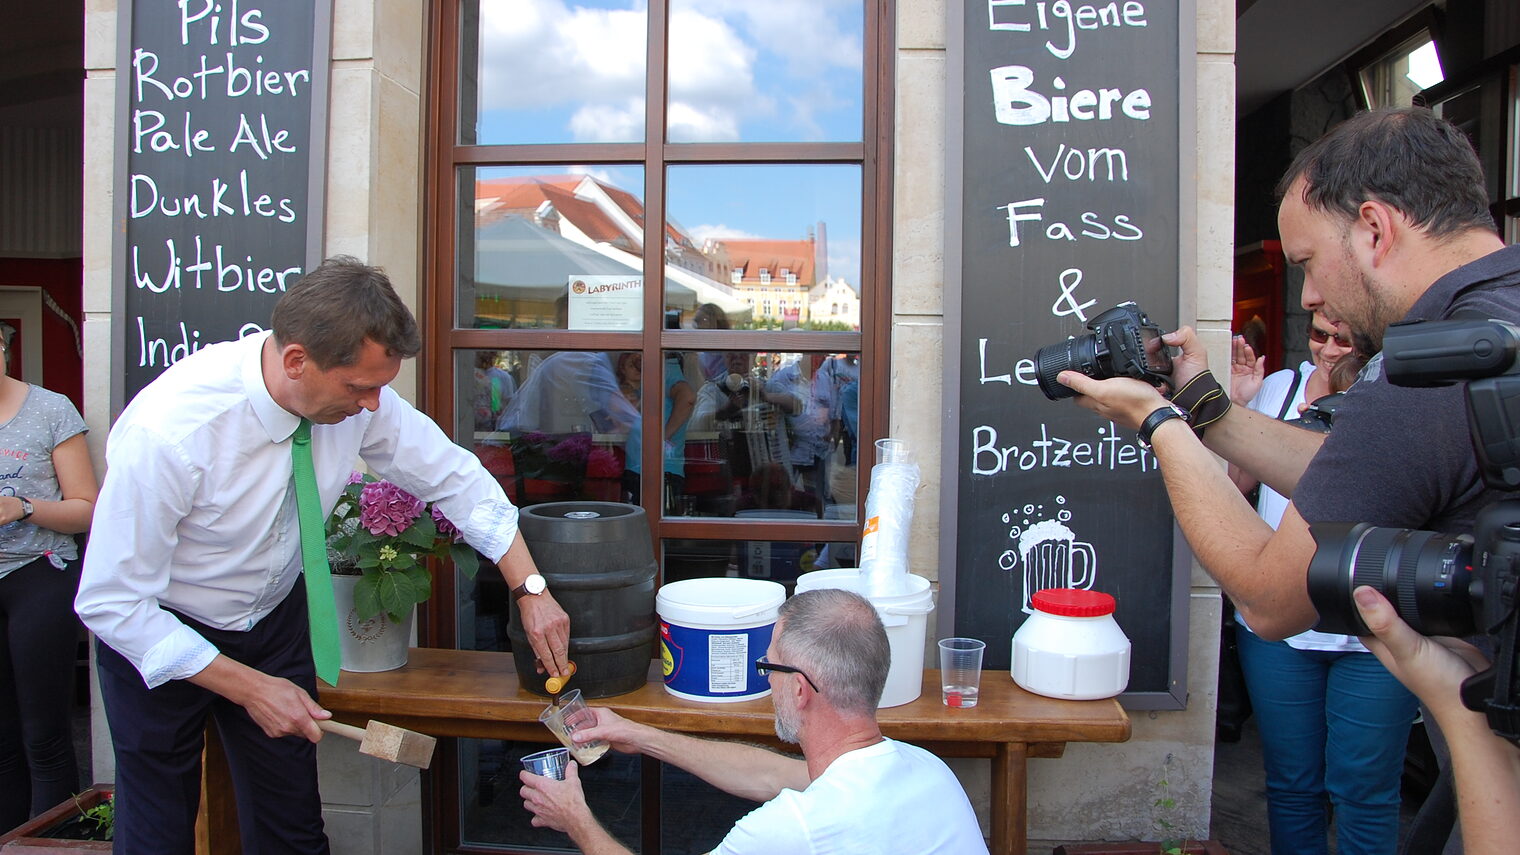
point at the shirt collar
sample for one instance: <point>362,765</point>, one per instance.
<point>278,422</point>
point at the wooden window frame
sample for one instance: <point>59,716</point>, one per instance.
<point>443,156</point>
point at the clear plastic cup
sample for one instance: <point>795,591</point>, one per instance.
<point>550,763</point>
<point>892,451</point>
<point>960,671</point>
<point>570,715</point>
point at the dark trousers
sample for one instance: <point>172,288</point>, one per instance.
<point>39,636</point>
<point>158,735</point>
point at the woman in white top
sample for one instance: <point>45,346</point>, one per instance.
<point>1334,723</point>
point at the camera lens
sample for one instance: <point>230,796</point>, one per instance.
<point>1075,354</point>
<point>1424,574</point>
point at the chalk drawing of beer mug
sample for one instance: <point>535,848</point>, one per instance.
<point>1051,555</point>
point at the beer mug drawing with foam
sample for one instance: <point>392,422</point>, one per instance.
<point>1054,558</point>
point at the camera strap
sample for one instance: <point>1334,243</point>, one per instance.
<point>1287,401</point>
<point>1495,692</point>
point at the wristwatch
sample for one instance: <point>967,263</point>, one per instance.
<point>26,508</point>
<point>1154,420</point>
<point>531,586</point>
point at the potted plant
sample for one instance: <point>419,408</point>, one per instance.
<point>82,825</point>
<point>379,538</point>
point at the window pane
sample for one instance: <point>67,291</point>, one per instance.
<point>549,71</point>
<point>550,425</point>
<point>766,71</point>
<point>769,435</point>
<point>782,243</point>
<point>778,561</point>
<point>491,812</point>
<point>551,247</point>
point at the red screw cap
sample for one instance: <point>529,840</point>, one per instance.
<point>1073,602</point>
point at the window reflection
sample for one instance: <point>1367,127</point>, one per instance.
<point>551,71</point>
<point>745,434</point>
<point>792,262</point>
<point>777,561</point>
<point>770,435</point>
<point>766,72</point>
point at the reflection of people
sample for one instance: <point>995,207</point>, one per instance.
<point>1486,766</point>
<point>494,389</point>
<point>806,397</point>
<point>571,391</point>
<point>193,580</point>
<point>1333,721</point>
<point>710,316</point>
<point>679,402</point>
<point>49,494</point>
<point>1388,216</point>
<point>853,790</point>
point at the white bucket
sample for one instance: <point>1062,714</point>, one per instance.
<point>711,633</point>
<point>906,617</point>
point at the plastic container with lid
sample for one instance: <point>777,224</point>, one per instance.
<point>1071,647</point>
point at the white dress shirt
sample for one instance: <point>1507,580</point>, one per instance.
<point>198,513</point>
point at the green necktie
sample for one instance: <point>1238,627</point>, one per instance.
<point>320,609</point>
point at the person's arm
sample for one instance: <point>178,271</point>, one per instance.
<point>76,481</point>
<point>1273,451</point>
<point>682,401</point>
<point>1486,767</point>
<point>1263,571</point>
<point>278,706</point>
<point>544,621</point>
<point>746,771</point>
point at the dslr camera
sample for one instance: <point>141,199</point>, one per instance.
<point>1124,342</point>
<point>1446,584</point>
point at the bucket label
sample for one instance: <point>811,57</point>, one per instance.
<point>727,658</point>
<point>667,661</point>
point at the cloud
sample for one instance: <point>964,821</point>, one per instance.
<point>719,232</point>
<point>541,53</point>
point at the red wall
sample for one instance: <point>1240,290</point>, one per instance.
<point>61,279</point>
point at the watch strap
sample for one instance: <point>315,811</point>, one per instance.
<point>1158,417</point>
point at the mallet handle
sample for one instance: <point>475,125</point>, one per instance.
<point>341,729</point>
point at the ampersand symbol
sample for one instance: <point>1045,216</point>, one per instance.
<point>1067,304</point>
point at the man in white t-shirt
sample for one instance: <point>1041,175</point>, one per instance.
<point>853,791</point>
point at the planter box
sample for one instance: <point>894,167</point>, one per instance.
<point>42,833</point>
<point>1192,847</point>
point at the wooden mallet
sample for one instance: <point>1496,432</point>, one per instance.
<point>387,742</point>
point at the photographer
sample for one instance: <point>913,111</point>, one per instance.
<point>1487,767</point>
<point>1388,217</point>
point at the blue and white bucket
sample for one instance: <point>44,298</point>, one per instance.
<point>711,633</point>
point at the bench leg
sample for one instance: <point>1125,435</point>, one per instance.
<point>1010,810</point>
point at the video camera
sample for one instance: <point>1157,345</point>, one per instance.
<point>1446,584</point>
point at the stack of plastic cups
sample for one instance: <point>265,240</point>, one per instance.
<point>889,516</point>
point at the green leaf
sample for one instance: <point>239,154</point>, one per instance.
<point>422,580</point>
<point>404,561</point>
<point>421,535</point>
<point>367,596</point>
<point>465,558</point>
<point>397,595</point>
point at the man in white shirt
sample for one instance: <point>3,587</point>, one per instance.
<point>853,791</point>
<point>193,577</point>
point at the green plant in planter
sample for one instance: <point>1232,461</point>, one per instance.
<point>388,534</point>
<point>1166,809</point>
<point>103,815</point>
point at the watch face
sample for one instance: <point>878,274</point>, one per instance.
<point>534,584</point>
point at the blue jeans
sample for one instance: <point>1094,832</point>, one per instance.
<point>1332,724</point>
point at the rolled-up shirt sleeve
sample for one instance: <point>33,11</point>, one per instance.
<point>127,566</point>
<point>406,447</point>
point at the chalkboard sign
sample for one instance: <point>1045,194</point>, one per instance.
<point>1064,201</point>
<point>218,197</point>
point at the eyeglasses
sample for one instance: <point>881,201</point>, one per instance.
<point>1320,336</point>
<point>765,667</point>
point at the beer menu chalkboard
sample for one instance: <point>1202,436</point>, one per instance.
<point>218,196</point>
<point>1064,200</point>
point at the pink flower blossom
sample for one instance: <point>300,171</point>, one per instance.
<point>603,463</point>
<point>386,509</point>
<point>446,528</point>
<point>356,477</point>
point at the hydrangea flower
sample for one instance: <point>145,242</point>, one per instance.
<point>446,527</point>
<point>385,509</point>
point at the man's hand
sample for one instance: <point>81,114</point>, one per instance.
<point>623,735</point>
<point>548,630</point>
<point>1430,666</point>
<point>1122,400</point>
<point>278,706</point>
<point>560,805</point>
<point>1247,370</point>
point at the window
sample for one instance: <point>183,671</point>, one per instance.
<point>1393,79</point>
<point>564,136</point>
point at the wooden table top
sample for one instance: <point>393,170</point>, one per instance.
<point>463,692</point>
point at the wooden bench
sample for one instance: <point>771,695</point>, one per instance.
<point>476,694</point>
